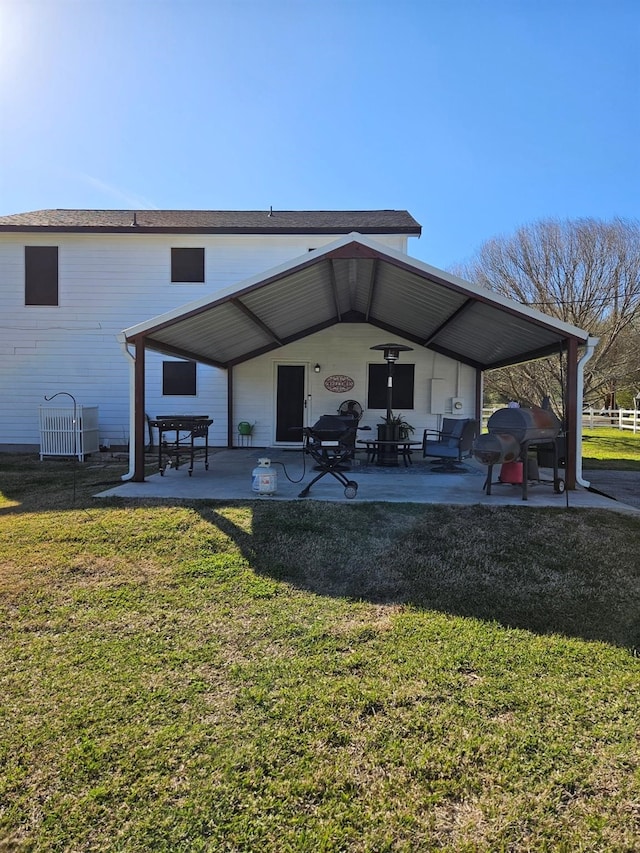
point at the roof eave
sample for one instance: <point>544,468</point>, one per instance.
<point>137,229</point>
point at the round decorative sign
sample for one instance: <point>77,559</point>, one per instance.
<point>338,383</point>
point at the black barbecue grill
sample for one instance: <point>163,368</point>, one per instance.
<point>512,432</point>
<point>331,444</point>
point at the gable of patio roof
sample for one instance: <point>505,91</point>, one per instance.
<point>356,280</point>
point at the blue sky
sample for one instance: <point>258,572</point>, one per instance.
<point>477,116</point>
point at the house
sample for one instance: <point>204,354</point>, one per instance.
<point>261,316</point>
<point>72,280</point>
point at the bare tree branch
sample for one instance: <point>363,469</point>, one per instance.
<point>585,272</point>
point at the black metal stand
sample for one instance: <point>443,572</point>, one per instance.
<point>386,448</point>
<point>558,482</point>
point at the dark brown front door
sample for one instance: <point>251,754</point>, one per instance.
<point>290,402</point>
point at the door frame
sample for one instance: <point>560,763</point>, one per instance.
<point>306,401</point>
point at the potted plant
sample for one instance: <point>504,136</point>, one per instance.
<point>394,428</point>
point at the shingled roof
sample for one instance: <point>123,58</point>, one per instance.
<point>216,221</point>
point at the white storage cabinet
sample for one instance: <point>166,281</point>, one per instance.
<point>65,431</point>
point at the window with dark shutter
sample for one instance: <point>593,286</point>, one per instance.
<point>179,378</point>
<point>403,384</point>
<point>40,275</point>
<point>187,265</point>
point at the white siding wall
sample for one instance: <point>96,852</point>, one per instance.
<point>106,284</point>
<point>345,349</point>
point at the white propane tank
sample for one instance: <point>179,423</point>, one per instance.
<point>264,478</point>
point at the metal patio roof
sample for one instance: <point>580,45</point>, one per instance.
<point>356,280</point>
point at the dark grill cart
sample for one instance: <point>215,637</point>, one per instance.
<point>181,436</point>
<point>331,442</point>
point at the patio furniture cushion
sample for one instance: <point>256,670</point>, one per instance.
<point>453,441</point>
<point>452,430</point>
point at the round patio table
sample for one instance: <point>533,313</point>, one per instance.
<point>386,453</point>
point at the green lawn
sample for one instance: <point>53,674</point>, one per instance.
<point>282,677</point>
<point>609,448</point>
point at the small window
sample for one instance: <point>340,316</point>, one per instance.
<point>187,265</point>
<point>40,275</point>
<point>179,378</point>
<point>403,382</point>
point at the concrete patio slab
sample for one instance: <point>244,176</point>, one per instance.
<point>230,478</point>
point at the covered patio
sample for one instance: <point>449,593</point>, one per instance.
<point>356,280</point>
<point>230,478</point>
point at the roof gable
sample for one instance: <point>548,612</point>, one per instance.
<point>355,279</point>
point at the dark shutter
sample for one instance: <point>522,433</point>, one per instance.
<point>187,265</point>
<point>179,378</point>
<point>403,384</point>
<point>40,275</point>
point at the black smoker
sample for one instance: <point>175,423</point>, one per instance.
<point>512,432</point>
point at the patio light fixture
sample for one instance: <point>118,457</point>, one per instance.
<point>391,355</point>
<point>316,368</point>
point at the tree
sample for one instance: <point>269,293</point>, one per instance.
<point>585,272</point>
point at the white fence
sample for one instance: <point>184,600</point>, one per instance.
<point>618,418</point>
<point>68,432</point>
<point>592,418</point>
